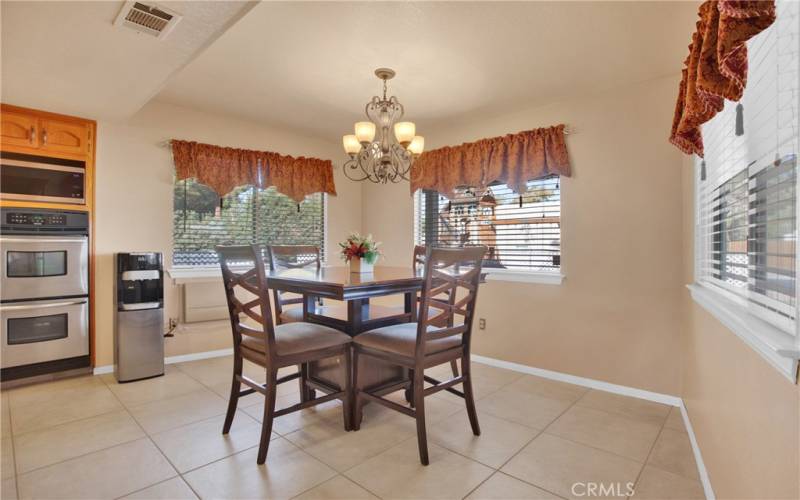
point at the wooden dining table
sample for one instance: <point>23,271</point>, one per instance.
<point>355,290</point>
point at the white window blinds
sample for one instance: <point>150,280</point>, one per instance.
<point>245,216</point>
<point>746,186</point>
<point>522,232</point>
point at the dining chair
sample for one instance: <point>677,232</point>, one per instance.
<point>452,276</point>
<point>273,346</point>
<point>419,261</point>
<point>291,257</point>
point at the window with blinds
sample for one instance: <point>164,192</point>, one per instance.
<point>746,188</point>
<point>522,232</point>
<point>245,216</point>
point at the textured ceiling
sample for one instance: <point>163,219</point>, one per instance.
<point>308,66</point>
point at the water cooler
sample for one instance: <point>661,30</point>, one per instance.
<point>139,316</point>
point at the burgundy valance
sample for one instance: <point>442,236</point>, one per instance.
<point>223,169</point>
<point>512,159</point>
<point>716,68</point>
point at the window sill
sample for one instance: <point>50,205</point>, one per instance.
<point>183,275</point>
<point>774,345</point>
<point>539,277</point>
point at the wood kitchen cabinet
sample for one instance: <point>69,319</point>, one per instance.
<point>19,129</point>
<point>64,136</point>
<point>43,133</point>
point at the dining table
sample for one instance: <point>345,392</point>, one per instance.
<point>337,283</point>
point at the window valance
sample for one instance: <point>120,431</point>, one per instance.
<point>223,169</point>
<point>512,159</point>
<point>716,68</point>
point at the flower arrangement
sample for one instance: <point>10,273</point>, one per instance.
<point>360,247</point>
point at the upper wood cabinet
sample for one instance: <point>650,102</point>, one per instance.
<point>64,136</point>
<point>26,130</point>
<point>19,129</point>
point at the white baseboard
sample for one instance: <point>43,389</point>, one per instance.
<point>616,389</point>
<point>100,370</point>
<point>582,381</point>
<point>698,457</point>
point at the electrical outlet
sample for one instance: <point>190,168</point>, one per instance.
<point>481,324</point>
<point>173,323</point>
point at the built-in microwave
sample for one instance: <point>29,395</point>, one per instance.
<point>39,178</point>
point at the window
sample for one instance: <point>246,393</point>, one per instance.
<point>522,232</point>
<point>246,215</point>
<point>746,225</point>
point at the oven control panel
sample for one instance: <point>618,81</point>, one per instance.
<point>38,221</point>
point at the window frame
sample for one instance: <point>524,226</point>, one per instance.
<point>555,277</point>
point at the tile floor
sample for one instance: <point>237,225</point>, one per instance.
<point>90,437</point>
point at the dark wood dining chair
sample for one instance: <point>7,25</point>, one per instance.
<point>419,262</point>
<point>291,257</point>
<point>452,276</point>
<point>273,347</point>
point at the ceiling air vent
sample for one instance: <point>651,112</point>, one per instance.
<point>149,19</point>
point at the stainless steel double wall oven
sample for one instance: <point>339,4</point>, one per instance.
<point>44,300</point>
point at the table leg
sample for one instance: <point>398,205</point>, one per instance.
<point>357,314</point>
<point>411,305</point>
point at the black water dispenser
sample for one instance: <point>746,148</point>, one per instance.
<point>139,316</point>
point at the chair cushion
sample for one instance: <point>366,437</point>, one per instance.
<point>401,339</point>
<point>294,338</point>
<point>291,314</point>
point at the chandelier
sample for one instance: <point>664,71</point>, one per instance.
<point>384,148</point>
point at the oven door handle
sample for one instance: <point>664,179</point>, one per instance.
<point>42,306</point>
<point>77,239</point>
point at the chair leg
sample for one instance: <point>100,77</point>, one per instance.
<point>347,406</point>
<point>419,408</point>
<point>409,392</point>
<point>454,366</point>
<point>233,400</point>
<point>303,369</point>
<point>469,398</point>
<point>355,396</point>
<point>269,415</point>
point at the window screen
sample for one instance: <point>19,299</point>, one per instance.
<point>746,187</point>
<point>522,232</point>
<point>245,216</point>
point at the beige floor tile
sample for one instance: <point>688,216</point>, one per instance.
<point>55,444</point>
<point>343,450</point>
<point>640,409</point>
<point>159,416</point>
<point>532,410</point>
<point>556,464</point>
<point>655,484</point>
<point>171,489</point>
<point>37,393</point>
<point>290,422</point>
<point>201,443</point>
<point>8,489</point>
<point>548,388</point>
<point>109,473</point>
<point>397,473</point>
<point>174,383</point>
<point>673,452</point>
<point>7,458</point>
<point>33,412</point>
<point>223,390</point>
<point>288,472</point>
<point>607,431</point>
<point>499,375</point>
<point>5,416</point>
<point>209,371</point>
<point>499,439</point>
<point>675,420</point>
<point>338,488</point>
<point>503,487</point>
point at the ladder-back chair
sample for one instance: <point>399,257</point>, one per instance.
<point>452,276</point>
<point>291,257</point>
<point>270,346</point>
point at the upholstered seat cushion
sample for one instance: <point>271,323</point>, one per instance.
<point>401,339</point>
<point>293,338</point>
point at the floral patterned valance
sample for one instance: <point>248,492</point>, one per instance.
<point>223,169</point>
<point>512,159</point>
<point>716,68</point>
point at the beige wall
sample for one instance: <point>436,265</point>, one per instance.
<point>745,414</point>
<point>135,182</point>
<point>616,317</point>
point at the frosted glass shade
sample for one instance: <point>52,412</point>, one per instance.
<point>351,144</point>
<point>365,131</point>
<point>404,131</point>
<point>417,145</point>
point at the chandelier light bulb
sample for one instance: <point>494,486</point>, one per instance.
<point>404,131</point>
<point>417,145</point>
<point>365,132</point>
<point>351,145</point>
